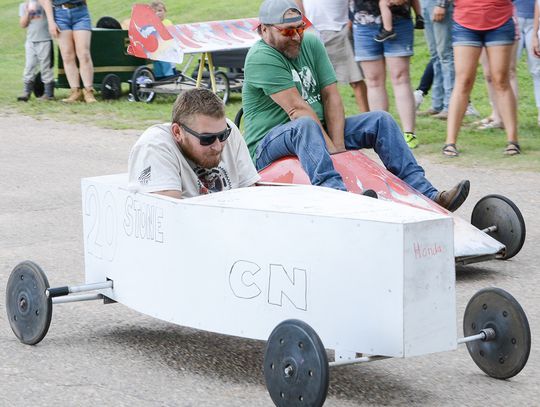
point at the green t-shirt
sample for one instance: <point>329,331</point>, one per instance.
<point>267,71</point>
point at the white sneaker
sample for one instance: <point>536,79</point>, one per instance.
<point>418,98</point>
<point>471,111</point>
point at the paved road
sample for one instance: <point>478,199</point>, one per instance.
<point>112,356</point>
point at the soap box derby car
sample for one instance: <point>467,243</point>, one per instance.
<point>298,266</point>
<point>219,44</point>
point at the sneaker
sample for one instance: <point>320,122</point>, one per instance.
<point>419,25</point>
<point>452,199</point>
<point>429,112</point>
<point>384,35</point>
<point>410,139</point>
<point>418,98</point>
<point>471,111</point>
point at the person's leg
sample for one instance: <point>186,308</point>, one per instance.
<point>401,82</point>
<point>360,94</point>
<point>426,80</point>
<point>303,138</point>
<point>339,46</point>
<point>513,68</point>
<point>437,95</point>
<point>375,76</point>
<point>532,61</point>
<point>494,119</point>
<point>43,49</point>
<point>81,40</point>
<point>369,53</point>
<point>442,32</point>
<point>67,49</point>
<point>29,73</point>
<point>466,61</point>
<point>499,63</point>
<point>378,130</point>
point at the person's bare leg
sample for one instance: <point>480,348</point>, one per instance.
<point>360,94</point>
<point>82,47</point>
<point>513,70</point>
<point>401,81</point>
<point>499,63</point>
<point>466,62</point>
<point>494,116</point>
<point>67,49</point>
<point>375,77</point>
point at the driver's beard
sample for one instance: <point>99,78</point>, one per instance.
<point>210,160</point>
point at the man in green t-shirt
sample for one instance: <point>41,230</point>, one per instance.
<point>292,107</point>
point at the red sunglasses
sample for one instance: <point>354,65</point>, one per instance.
<point>290,32</point>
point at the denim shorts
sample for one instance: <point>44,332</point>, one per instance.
<point>75,19</point>
<point>503,35</point>
<point>367,49</point>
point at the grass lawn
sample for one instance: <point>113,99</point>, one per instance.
<point>478,147</point>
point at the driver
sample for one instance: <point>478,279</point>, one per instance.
<point>200,152</point>
<point>292,107</point>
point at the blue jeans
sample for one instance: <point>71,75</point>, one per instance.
<point>76,19</point>
<point>503,35</point>
<point>439,39</point>
<point>378,130</point>
<point>525,41</point>
<point>367,49</point>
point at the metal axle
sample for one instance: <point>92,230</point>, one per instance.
<point>363,359</point>
<point>61,291</point>
<point>490,229</point>
<point>75,298</point>
<point>487,334</point>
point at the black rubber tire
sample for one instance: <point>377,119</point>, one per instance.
<point>497,210</point>
<point>142,73</point>
<point>238,117</point>
<point>111,87</point>
<point>28,308</point>
<point>507,354</point>
<point>109,23</point>
<point>294,345</point>
<point>223,87</point>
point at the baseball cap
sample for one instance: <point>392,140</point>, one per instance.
<point>273,11</point>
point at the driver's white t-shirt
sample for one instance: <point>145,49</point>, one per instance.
<point>156,164</point>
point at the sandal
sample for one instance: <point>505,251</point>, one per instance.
<point>491,125</point>
<point>512,148</point>
<point>482,122</point>
<point>450,150</point>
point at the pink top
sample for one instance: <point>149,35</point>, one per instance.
<point>482,14</point>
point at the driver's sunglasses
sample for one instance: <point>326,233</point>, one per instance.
<point>207,139</point>
<point>290,32</point>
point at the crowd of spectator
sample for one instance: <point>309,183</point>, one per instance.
<point>459,34</point>
<point>367,40</point>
